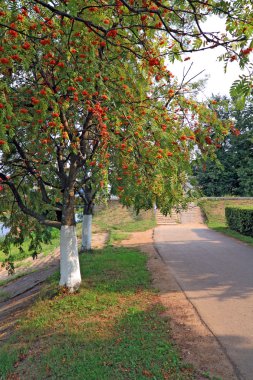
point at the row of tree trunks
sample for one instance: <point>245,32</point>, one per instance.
<point>69,258</point>
<point>69,261</point>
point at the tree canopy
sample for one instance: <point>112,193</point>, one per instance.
<point>232,172</point>
<point>89,104</point>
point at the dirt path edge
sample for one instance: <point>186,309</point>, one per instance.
<point>195,341</point>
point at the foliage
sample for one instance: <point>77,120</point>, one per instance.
<point>76,119</point>
<point>14,252</point>
<point>88,104</point>
<point>232,172</point>
<point>80,109</point>
<point>214,211</point>
<point>112,328</point>
<point>240,90</point>
<point>240,219</point>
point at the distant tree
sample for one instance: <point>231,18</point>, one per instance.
<point>232,172</point>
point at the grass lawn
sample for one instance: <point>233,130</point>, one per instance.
<point>119,222</point>
<point>46,248</point>
<point>113,328</point>
<point>214,211</point>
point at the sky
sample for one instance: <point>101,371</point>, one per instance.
<point>219,82</point>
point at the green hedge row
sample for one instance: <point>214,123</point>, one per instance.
<point>240,219</point>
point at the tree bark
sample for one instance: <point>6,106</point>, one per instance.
<point>86,232</point>
<point>69,264</point>
<point>87,219</point>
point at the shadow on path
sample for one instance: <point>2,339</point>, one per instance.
<point>216,273</point>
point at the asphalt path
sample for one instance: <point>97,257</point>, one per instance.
<point>216,273</point>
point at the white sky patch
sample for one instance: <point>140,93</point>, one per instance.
<point>219,82</point>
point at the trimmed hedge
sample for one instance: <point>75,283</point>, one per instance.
<point>240,219</point>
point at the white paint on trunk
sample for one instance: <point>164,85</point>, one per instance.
<point>86,232</point>
<point>69,264</point>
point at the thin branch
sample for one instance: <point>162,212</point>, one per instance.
<point>24,208</point>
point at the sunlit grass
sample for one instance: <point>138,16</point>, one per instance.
<point>120,222</point>
<point>46,248</point>
<point>214,210</point>
<point>114,219</point>
<point>112,328</point>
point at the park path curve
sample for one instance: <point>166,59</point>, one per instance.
<point>216,273</point>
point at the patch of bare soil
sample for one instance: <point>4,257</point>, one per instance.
<point>195,341</point>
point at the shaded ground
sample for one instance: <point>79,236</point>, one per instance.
<point>18,294</point>
<point>196,342</point>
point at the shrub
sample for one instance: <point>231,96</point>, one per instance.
<point>240,219</point>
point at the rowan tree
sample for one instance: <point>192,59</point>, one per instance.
<point>88,103</point>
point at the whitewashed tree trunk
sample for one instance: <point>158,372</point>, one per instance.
<point>86,232</point>
<point>69,263</point>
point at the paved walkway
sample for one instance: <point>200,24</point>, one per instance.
<point>216,273</point>
<point>196,344</point>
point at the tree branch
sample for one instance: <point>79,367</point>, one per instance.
<point>24,208</point>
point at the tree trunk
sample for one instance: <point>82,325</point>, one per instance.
<point>87,218</point>
<point>69,264</point>
<point>86,232</point>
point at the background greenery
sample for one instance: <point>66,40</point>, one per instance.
<point>214,213</point>
<point>240,219</point>
<point>232,172</point>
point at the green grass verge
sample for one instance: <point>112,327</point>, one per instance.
<point>124,219</point>
<point>123,231</point>
<point>115,219</point>
<point>138,225</point>
<point>214,211</point>
<point>219,227</point>
<point>46,248</point>
<point>112,328</point>
<point>3,295</point>
<point>120,222</point>
<point>117,236</point>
